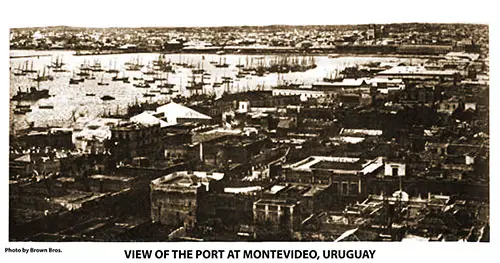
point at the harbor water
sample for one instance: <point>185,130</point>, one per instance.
<point>68,102</point>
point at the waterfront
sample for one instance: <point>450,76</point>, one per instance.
<point>71,101</point>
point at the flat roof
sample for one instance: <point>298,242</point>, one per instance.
<point>238,190</point>
<point>275,202</point>
<point>315,189</point>
<point>342,165</point>
<point>368,132</point>
<point>187,178</point>
<point>111,177</point>
<point>337,165</point>
<point>344,83</point>
<point>416,70</point>
<point>275,189</point>
<point>308,163</point>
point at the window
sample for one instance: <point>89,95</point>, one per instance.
<point>345,188</point>
<point>335,187</point>
<point>394,171</point>
<point>353,189</point>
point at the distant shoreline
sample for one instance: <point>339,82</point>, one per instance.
<point>119,52</point>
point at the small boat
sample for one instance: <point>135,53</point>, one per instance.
<point>75,80</point>
<point>148,95</point>
<point>166,92</point>
<point>90,94</point>
<point>23,106</point>
<point>142,85</point>
<point>133,68</point>
<point>83,74</point>
<point>20,73</point>
<point>21,111</point>
<point>165,85</point>
<point>107,97</point>
<point>46,106</point>
<point>241,75</point>
<point>198,71</point>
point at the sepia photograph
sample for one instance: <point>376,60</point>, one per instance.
<point>364,132</point>
<point>239,131</point>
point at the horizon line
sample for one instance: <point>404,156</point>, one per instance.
<point>248,25</point>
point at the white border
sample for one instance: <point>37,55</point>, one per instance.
<point>101,13</point>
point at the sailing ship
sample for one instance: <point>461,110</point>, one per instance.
<point>101,82</point>
<point>121,78</point>
<point>149,80</point>
<point>96,66</point>
<point>75,79</point>
<point>333,76</point>
<point>134,64</point>
<point>19,71</point>
<point>160,77</point>
<point>239,65</point>
<point>149,70</point>
<point>222,64</point>
<point>44,76</point>
<point>216,84</point>
<point>57,65</point>
<point>30,69</point>
<point>112,69</point>
<point>195,86</point>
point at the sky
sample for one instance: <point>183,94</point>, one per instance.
<point>126,13</point>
